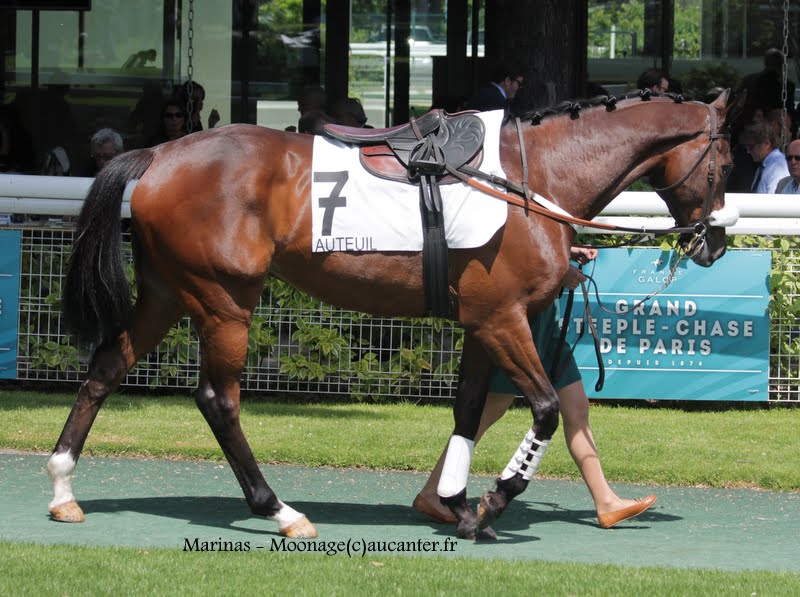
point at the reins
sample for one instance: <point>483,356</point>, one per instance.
<point>525,198</point>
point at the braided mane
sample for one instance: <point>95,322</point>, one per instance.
<point>574,107</point>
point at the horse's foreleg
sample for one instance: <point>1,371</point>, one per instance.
<point>107,370</point>
<point>224,350</point>
<point>514,349</point>
<point>470,399</point>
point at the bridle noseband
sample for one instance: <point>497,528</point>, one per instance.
<point>700,228</point>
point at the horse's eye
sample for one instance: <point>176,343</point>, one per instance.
<point>726,169</point>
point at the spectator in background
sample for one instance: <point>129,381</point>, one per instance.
<point>312,99</point>
<point>16,146</point>
<point>653,80</point>
<point>311,123</point>
<point>105,145</point>
<point>144,119</point>
<point>172,124</point>
<point>765,88</point>
<point>674,86</point>
<point>312,105</point>
<point>350,112</point>
<point>781,120</point>
<point>498,94</point>
<point>198,96</point>
<point>791,184</point>
<point>762,142</point>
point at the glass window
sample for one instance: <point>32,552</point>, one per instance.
<point>288,60</point>
<point>93,69</point>
<point>714,42</point>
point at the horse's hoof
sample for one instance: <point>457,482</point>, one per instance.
<point>490,508</point>
<point>302,529</point>
<point>486,534</point>
<point>68,512</point>
<point>466,531</point>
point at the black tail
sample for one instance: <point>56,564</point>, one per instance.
<point>96,296</point>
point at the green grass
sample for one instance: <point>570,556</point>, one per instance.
<point>734,448</point>
<point>642,445</point>
<point>76,571</point>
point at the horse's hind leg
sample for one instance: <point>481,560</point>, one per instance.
<point>108,367</point>
<point>223,342</point>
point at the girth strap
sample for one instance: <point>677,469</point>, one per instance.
<point>426,163</point>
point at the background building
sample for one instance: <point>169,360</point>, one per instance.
<point>71,67</point>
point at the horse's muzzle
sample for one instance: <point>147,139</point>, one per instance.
<point>704,248</point>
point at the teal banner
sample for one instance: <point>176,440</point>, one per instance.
<point>703,337</point>
<point>9,301</point>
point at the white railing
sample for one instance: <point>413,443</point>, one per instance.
<point>45,354</point>
<point>759,214</point>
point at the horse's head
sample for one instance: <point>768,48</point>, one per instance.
<point>691,180</point>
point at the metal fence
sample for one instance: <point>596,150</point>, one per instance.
<point>308,347</point>
<point>366,355</point>
<point>299,345</point>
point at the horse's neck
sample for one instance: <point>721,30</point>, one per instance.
<point>586,162</point>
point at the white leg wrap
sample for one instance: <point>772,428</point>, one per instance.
<point>456,466</point>
<point>527,458</point>
<point>61,466</point>
<point>286,516</point>
<point>725,217</point>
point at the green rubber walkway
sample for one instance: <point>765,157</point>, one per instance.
<point>136,502</point>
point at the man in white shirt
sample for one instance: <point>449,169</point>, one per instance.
<point>762,143</point>
<point>791,184</point>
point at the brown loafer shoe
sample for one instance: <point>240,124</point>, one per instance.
<point>423,506</point>
<point>609,519</point>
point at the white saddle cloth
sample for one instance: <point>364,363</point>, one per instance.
<point>352,210</point>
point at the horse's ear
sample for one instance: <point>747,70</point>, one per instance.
<point>729,111</point>
<point>722,100</point>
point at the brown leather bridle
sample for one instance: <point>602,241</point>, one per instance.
<point>523,196</point>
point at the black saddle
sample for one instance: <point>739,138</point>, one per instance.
<point>398,153</point>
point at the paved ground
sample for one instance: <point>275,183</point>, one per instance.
<point>161,503</point>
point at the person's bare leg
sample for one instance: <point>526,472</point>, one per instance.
<point>427,501</point>
<point>574,407</point>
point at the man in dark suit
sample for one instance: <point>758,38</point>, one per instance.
<point>497,95</point>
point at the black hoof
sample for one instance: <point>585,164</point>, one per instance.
<point>486,534</point>
<point>491,506</point>
<point>467,527</point>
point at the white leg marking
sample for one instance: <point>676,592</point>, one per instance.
<point>61,466</point>
<point>286,516</point>
<point>456,466</point>
<point>527,458</point>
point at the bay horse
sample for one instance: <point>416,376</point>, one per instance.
<point>216,211</point>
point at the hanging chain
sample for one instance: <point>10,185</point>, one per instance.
<point>785,72</point>
<point>190,69</point>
